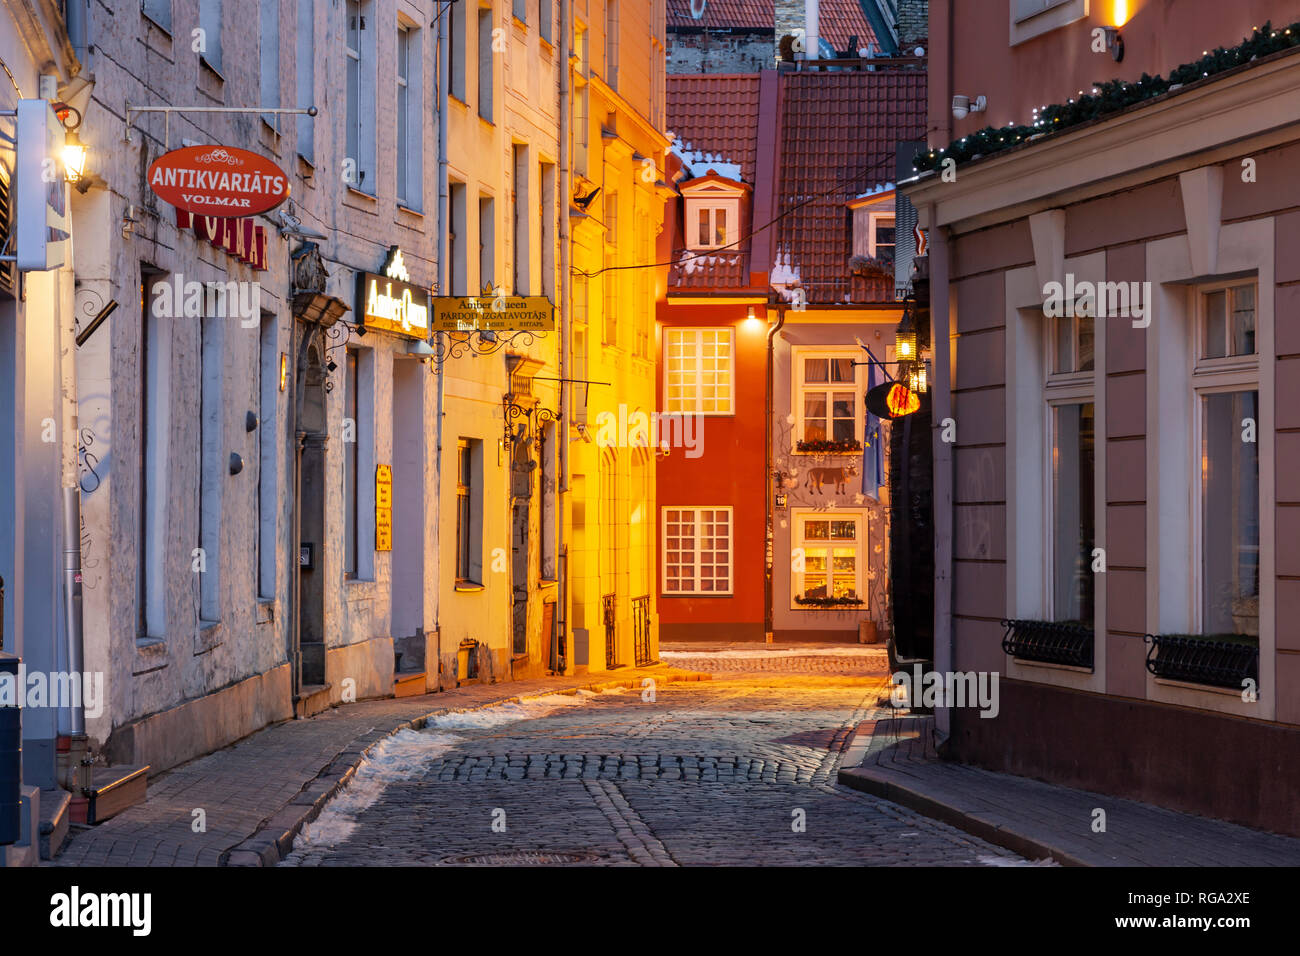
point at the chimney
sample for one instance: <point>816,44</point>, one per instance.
<point>913,24</point>
<point>812,12</point>
<point>791,21</point>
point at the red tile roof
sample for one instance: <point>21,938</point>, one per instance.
<point>841,20</point>
<point>708,270</point>
<point>717,114</point>
<point>724,14</point>
<point>839,134</point>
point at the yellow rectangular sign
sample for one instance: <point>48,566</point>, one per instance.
<point>384,508</point>
<point>502,313</point>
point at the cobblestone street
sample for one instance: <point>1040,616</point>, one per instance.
<point>738,770</point>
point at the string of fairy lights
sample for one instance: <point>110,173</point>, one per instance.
<point>1110,97</point>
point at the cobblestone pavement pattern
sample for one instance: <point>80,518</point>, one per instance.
<point>733,771</point>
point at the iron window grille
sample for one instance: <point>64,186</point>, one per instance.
<point>1049,642</point>
<point>1215,660</point>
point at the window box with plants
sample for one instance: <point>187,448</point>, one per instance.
<point>1216,660</point>
<point>834,603</point>
<point>828,446</point>
<point>869,267</point>
<point>1049,642</point>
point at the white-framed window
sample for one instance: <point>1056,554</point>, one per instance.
<point>1071,529</point>
<point>521,10</point>
<point>359,115</point>
<point>1073,503</point>
<point>710,229</point>
<point>159,11</point>
<point>1030,18</point>
<point>611,43</point>
<point>699,371</point>
<point>880,240</point>
<point>827,399</point>
<point>269,55</point>
<point>210,24</point>
<point>697,550</point>
<point>828,559</point>
<point>1225,383</point>
<point>486,66</point>
<point>410,165</point>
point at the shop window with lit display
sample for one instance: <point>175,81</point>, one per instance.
<point>827,559</point>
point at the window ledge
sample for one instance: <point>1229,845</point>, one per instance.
<point>547,583</point>
<point>409,210</point>
<point>469,587</point>
<point>361,193</point>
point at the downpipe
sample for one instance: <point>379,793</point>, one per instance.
<point>72,747</point>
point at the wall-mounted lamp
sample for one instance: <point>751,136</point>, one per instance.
<point>284,370</point>
<point>74,161</point>
<point>964,105</point>
<point>905,338</point>
<point>1114,43</point>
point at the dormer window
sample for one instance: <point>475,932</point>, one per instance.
<point>713,211</point>
<point>713,227</point>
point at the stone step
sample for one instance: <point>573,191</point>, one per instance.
<point>409,683</point>
<point>55,817</point>
<point>112,790</point>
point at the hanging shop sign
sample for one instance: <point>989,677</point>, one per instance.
<point>501,313</point>
<point>242,238</point>
<point>40,189</point>
<point>384,508</point>
<point>390,303</point>
<point>892,400</point>
<point>218,181</point>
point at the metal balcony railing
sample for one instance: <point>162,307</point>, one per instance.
<point>1203,660</point>
<point>1051,642</point>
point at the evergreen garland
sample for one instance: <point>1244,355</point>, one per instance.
<point>1111,97</point>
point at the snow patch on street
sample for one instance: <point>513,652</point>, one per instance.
<point>407,755</point>
<point>404,756</point>
<point>489,717</point>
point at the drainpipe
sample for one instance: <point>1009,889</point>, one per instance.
<point>295,437</point>
<point>444,285</point>
<point>771,479</point>
<point>563,190</point>
<point>940,319</point>
<point>941,408</point>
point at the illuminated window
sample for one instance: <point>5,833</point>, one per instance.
<point>697,550</point>
<point>827,398</point>
<point>828,557</point>
<point>698,371</point>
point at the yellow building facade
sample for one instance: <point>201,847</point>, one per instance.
<point>555,150</point>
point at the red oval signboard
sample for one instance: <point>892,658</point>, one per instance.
<point>218,181</point>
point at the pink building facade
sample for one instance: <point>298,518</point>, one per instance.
<point>1117,512</point>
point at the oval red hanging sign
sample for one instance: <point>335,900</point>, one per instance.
<point>218,181</point>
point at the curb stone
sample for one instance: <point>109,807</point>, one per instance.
<point>273,840</point>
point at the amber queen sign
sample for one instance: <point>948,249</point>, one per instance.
<point>390,303</point>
